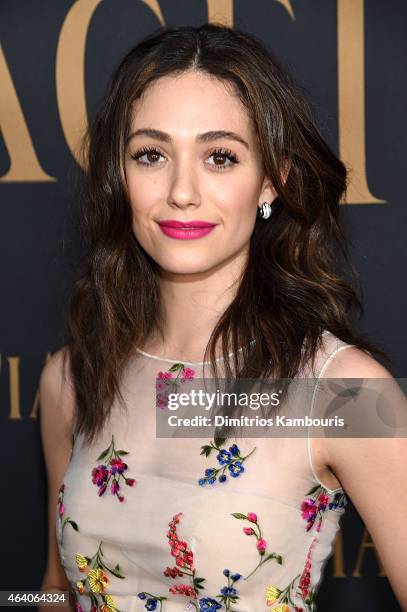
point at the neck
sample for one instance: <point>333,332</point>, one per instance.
<point>192,305</point>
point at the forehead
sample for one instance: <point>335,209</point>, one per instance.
<point>191,102</point>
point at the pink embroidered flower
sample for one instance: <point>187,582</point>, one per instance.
<point>183,589</point>
<point>261,545</point>
<point>102,490</point>
<point>169,382</point>
<point>117,465</point>
<point>173,572</point>
<point>316,504</point>
<point>113,470</point>
<point>179,548</point>
<point>114,487</point>
<point>248,530</point>
<point>187,374</point>
<point>99,475</point>
<point>165,375</point>
<point>184,559</point>
<point>323,501</point>
<point>305,579</point>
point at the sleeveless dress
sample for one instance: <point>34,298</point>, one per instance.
<point>149,523</point>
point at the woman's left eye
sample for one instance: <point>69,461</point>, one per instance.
<point>221,154</point>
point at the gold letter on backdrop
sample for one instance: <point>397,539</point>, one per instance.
<point>70,70</point>
<point>351,98</point>
<point>287,5</point>
<point>70,73</point>
<point>14,365</point>
<point>220,11</point>
<point>338,569</point>
<point>24,165</point>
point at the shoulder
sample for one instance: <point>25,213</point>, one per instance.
<point>348,361</point>
<point>342,360</point>
<point>375,413</point>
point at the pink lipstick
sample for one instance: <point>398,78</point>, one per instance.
<point>185,230</point>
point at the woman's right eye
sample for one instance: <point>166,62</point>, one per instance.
<point>150,153</point>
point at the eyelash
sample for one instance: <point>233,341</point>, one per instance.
<point>221,152</point>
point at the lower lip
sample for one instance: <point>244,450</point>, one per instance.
<point>189,233</point>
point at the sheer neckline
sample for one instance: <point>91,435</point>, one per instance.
<point>192,363</point>
<point>174,360</point>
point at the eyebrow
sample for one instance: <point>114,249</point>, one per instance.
<point>201,138</point>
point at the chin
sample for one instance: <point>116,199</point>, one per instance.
<point>183,265</point>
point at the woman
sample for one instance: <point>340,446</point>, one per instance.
<point>210,215</point>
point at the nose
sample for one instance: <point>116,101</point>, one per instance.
<point>184,189</point>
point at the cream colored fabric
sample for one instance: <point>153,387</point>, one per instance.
<point>275,482</point>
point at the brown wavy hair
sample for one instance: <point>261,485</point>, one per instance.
<point>298,279</point>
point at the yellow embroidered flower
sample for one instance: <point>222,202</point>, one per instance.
<point>272,594</point>
<point>81,562</point>
<point>80,586</point>
<point>97,580</point>
<point>282,608</point>
<point>109,604</point>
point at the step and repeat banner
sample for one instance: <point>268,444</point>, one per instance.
<point>55,62</point>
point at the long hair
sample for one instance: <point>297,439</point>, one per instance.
<point>298,279</point>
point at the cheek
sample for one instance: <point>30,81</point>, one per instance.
<point>142,194</point>
<point>239,207</point>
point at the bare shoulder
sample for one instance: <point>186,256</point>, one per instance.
<point>372,454</point>
<point>331,454</point>
<point>352,362</point>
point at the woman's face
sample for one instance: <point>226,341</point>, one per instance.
<point>179,167</point>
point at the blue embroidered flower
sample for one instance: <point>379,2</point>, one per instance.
<point>206,604</point>
<point>235,469</point>
<point>228,591</point>
<point>340,501</point>
<point>224,457</point>
<point>228,594</point>
<point>228,459</point>
<point>234,449</point>
<point>152,601</point>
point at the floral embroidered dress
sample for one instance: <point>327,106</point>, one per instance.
<point>147,523</point>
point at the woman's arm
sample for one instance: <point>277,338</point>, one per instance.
<point>57,404</point>
<point>373,471</point>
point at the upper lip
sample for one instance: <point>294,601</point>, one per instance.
<point>192,223</point>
